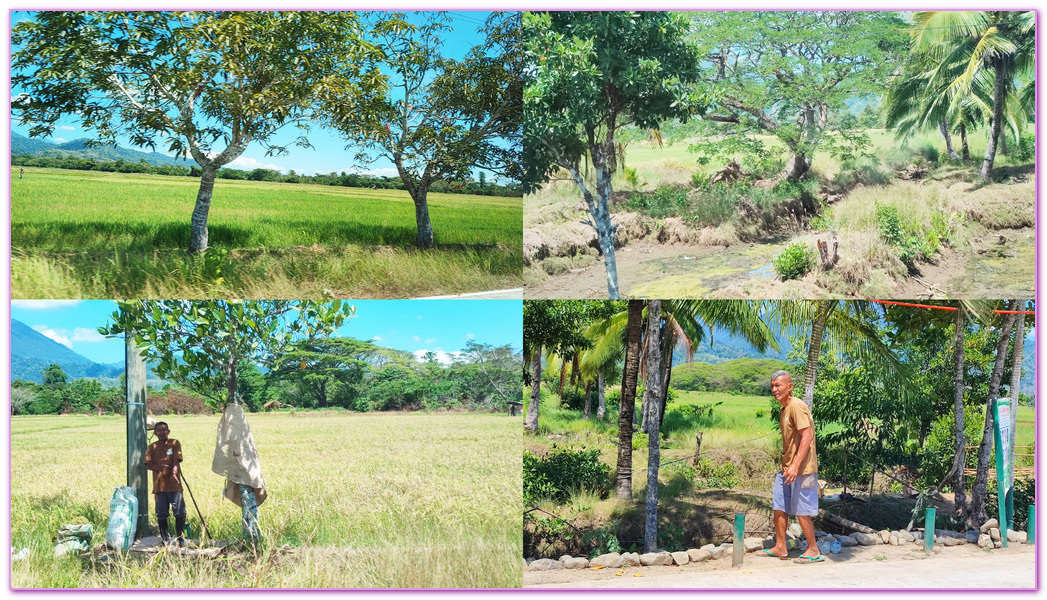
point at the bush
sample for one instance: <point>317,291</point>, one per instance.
<point>928,151</point>
<point>664,201</point>
<point>176,402</point>
<point>562,472</point>
<point>794,262</point>
<point>1024,495</point>
<point>939,447</point>
<point>863,170</point>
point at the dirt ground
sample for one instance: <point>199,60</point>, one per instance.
<point>907,566</point>
<point>988,269</point>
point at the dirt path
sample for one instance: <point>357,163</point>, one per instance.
<point>876,567</point>
<point>989,269</point>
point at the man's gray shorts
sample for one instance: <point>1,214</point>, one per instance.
<point>167,500</point>
<point>797,498</point>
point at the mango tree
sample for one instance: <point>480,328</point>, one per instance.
<point>201,343</point>
<point>442,117</point>
<point>588,75</point>
<point>205,84</point>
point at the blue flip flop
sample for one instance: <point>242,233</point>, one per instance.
<point>768,552</point>
<point>806,560</point>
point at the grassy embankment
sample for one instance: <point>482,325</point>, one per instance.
<point>945,208</point>
<point>390,500</point>
<point>740,449</point>
<point>83,234</point>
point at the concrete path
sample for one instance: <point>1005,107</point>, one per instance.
<point>970,568</point>
<point>509,294</point>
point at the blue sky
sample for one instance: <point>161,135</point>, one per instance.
<point>441,326</point>
<point>329,153</point>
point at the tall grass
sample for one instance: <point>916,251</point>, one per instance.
<point>88,234</point>
<point>392,500</point>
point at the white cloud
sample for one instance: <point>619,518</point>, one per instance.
<point>55,335</point>
<point>43,304</point>
<point>249,163</point>
<point>376,338</point>
<point>430,340</point>
<point>383,172</point>
<point>417,339</point>
<point>83,334</point>
<point>67,127</point>
<point>60,140</point>
<point>442,357</point>
<point>470,336</point>
<point>419,317</point>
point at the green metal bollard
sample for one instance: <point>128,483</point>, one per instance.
<point>928,530</point>
<point>1032,524</point>
<point>739,539</point>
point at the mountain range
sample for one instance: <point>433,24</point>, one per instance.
<point>23,146</point>
<point>32,352</point>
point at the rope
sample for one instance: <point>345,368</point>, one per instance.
<point>953,308</point>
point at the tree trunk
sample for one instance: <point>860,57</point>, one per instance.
<point>421,217</point>
<point>943,128</point>
<point>797,167</point>
<point>959,485</point>
<point>814,350</point>
<point>603,155</point>
<point>1003,143</point>
<point>977,512</point>
<point>198,224</point>
<point>667,376</point>
<point>999,97</point>
<point>965,148</point>
<point>627,403</point>
<point>655,357</point>
<point>601,405</point>
<point>1016,380</point>
<point>531,420</point>
<point>588,402</point>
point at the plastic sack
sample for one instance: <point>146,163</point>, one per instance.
<point>123,518</point>
<point>71,546</point>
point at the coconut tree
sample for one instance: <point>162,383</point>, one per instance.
<point>1002,43</point>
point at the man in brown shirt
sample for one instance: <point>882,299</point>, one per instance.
<point>162,458</point>
<point>796,485</point>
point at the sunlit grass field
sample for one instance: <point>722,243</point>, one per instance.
<point>95,234</point>
<point>371,500</point>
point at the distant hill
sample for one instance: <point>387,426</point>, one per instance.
<point>32,352</point>
<point>744,375</point>
<point>21,145</point>
<point>724,348</point>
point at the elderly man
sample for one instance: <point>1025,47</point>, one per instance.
<point>796,485</point>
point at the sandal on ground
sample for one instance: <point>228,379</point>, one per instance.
<point>806,560</point>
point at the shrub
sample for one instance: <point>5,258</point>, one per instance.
<point>794,262</point>
<point>562,472</point>
<point>664,201</point>
<point>863,170</point>
<point>889,222</point>
<point>717,475</point>
<point>1024,495</point>
<point>928,151</point>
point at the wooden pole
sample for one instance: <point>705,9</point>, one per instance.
<point>134,391</point>
<point>697,448</point>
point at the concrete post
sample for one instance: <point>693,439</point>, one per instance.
<point>739,539</point>
<point>137,474</point>
<point>928,530</point>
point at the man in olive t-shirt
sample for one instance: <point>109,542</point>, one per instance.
<point>796,485</point>
<point>162,458</point>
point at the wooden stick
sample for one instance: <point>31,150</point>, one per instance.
<point>842,522</point>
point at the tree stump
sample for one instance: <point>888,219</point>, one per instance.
<point>829,252</point>
<point>697,448</point>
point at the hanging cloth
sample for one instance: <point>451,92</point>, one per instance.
<point>236,457</point>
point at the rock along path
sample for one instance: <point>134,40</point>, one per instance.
<point>871,567</point>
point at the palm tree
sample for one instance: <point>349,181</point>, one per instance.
<point>841,327</point>
<point>1000,42</point>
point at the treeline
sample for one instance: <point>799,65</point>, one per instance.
<point>749,376</point>
<point>343,179</point>
<point>333,373</point>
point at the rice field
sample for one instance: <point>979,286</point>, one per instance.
<point>354,500</point>
<point>95,234</point>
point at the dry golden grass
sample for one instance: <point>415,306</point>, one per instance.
<point>355,500</point>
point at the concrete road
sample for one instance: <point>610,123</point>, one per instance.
<point>509,294</point>
<point>963,567</point>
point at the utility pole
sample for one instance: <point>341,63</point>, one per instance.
<point>134,375</point>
